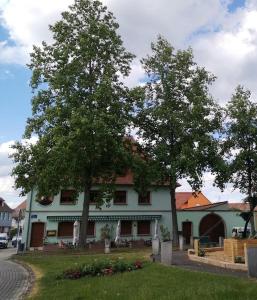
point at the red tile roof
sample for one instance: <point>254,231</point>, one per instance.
<point>22,206</point>
<point>182,198</point>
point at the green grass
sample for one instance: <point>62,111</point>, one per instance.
<point>154,282</point>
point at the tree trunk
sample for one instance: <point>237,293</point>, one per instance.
<point>84,218</point>
<point>174,215</point>
<point>246,225</point>
<point>252,218</point>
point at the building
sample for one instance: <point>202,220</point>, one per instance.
<point>50,220</point>
<point>5,217</point>
<point>20,209</point>
<point>213,220</point>
<point>188,199</point>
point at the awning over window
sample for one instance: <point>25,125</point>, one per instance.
<point>105,218</point>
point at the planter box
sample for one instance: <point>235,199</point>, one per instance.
<point>235,247</point>
<point>166,253</point>
<point>156,246</point>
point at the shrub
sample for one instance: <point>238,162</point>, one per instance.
<point>101,268</point>
<point>201,252</point>
<point>239,260</point>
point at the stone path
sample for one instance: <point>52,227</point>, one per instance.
<point>14,279</point>
<point>181,260</point>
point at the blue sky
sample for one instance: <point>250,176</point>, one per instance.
<point>223,35</point>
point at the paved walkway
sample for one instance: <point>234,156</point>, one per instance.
<point>181,260</point>
<point>14,279</point>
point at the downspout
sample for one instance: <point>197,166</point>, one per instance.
<point>28,229</point>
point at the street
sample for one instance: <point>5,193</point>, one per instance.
<point>14,279</point>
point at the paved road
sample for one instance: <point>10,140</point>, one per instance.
<point>180,259</point>
<point>14,279</point>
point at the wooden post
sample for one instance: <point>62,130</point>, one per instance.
<point>196,246</point>
<point>246,255</point>
<point>233,252</point>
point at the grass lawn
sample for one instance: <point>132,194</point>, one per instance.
<point>154,281</point>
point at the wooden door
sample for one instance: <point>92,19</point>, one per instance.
<point>37,234</point>
<point>187,231</point>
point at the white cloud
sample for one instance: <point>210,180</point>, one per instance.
<point>225,43</point>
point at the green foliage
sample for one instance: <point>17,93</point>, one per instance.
<point>177,118</point>
<point>101,268</point>
<point>13,232</point>
<point>239,260</point>
<point>78,97</point>
<point>239,146</point>
<point>106,232</point>
<point>201,252</point>
<point>165,233</point>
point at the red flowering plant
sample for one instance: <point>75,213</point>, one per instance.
<point>101,268</point>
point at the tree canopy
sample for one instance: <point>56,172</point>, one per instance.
<point>240,146</point>
<point>177,118</point>
<point>80,107</point>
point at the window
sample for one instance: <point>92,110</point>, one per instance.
<point>120,197</point>
<point>91,228</point>
<point>65,229</point>
<point>126,228</point>
<point>143,228</point>
<point>144,199</point>
<point>68,197</point>
<point>93,196</point>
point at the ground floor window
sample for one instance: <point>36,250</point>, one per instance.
<point>143,228</point>
<point>91,228</point>
<point>65,229</point>
<point>126,228</point>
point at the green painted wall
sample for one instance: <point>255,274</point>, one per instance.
<point>160,205</point>
<point>230,218</point>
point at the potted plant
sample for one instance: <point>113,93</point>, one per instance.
<point>166,246</point>
<point>106,232</point>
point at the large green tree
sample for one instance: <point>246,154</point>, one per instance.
<point>240,147</point>
<point>80,107</point>
<point>177,118</point>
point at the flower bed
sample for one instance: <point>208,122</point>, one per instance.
<point>101,268</point>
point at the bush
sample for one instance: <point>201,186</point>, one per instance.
<point>101,268</point>
<point>201,252</point>
<point>239,260</point>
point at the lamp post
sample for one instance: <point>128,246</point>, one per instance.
<point>18,230</point>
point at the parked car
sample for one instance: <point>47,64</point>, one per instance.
<point>3,240</point>
<point>14,240</point>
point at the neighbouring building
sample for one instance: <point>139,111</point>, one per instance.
<point>213,220</point>
<point>50,220</point>
<point>5,217</point>
<point>20,209</point>
<point>190,199</point>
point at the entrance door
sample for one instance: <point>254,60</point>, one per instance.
<point>37,234</point>
<point>187,231</point>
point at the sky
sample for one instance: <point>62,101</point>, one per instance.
<point>222,33</point>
